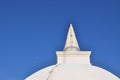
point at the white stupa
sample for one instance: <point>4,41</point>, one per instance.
<point>72,64</point>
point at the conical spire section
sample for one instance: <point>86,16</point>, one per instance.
<point>71,41</point>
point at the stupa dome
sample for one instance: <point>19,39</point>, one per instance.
<point>72,72</point>
<point>72,64</point>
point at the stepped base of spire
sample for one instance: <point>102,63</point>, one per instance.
<point>71,48</point>
<point>81,57</point>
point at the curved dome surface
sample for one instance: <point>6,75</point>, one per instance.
<point>72,72</point>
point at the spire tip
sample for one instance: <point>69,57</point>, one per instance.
<point>71,42</point>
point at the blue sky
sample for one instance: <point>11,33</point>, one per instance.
<point>31,31</point>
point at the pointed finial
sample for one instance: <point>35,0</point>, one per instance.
<point>71,41</point>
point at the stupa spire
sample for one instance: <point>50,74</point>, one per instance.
<point>71,41</point>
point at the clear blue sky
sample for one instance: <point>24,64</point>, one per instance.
<point>31,31</point>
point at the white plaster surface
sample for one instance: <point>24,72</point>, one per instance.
<point>73,72</point>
